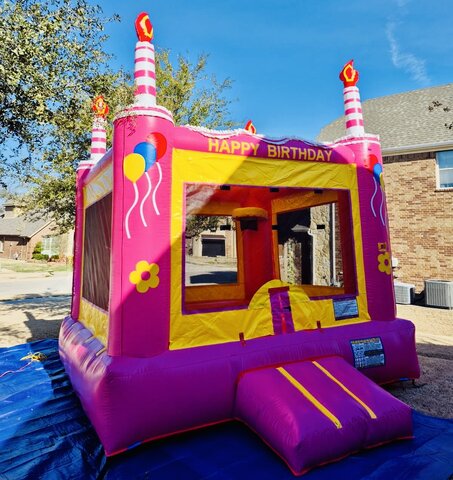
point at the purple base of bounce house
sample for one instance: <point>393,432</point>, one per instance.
<point>292,355</point>
<point>131,401</point>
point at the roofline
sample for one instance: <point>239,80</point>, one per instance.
<point>20,235</point>
<point>39,229</point>
<point>418,148</point>
<point>435,87</point>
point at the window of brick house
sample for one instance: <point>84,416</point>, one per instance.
<point>445,168</point>
<point>51,245</point>
<point>1,246</point>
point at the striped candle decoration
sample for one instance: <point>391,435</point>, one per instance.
<point>98,134</point>
<point>98,140</point>
<point>352,105</point>
<point>145,70</point>
<point>144,74</point>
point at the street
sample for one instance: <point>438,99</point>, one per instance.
<point>37,284</point>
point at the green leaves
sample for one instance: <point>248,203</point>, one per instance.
<point>188,92</point>
<point>49,52</point>
<point>52,64</point>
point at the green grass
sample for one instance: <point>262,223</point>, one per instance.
<point>21,266</point>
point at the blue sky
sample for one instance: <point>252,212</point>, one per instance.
<point>284,56</point>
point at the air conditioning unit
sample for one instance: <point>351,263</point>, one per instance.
<point>404,293</point>
<point>439,293</point>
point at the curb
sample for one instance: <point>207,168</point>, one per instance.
<point>32,296</point>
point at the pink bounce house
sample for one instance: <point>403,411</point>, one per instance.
<point>293,340</point>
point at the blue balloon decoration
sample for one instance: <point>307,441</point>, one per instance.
<point>148,151</point>
<point>377,170</point>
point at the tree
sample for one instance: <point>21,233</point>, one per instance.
<point>196,224</point>
<point>50,58</point>
<point>52,63</point>
<point>192,96</point>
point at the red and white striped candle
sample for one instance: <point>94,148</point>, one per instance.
<point>145,70</point>
<point>352,104</point>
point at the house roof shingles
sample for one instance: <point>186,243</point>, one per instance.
<point>404,119</point>
<point>18,226</point>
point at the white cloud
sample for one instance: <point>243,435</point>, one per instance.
<point>402,3</point>
<point>408,62</point>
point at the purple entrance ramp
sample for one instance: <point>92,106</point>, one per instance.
<point>319,411</point>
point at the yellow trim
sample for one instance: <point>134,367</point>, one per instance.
<point>306,314</point>
<point>100,186</point>
<point>352,395</point>
<point>297,201</point>
<point>94,319</point>
<point>82,252</point>
<point>209,328</point>
<point>326,412</point>
<point>91,317</point>
<point>250,212</point>
<point>261,298</point>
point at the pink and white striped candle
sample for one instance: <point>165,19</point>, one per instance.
<point>98,134</point>
<point>352,105</point>
<point>145,75</point>
<point>98,140</point>
<point>145,70</point>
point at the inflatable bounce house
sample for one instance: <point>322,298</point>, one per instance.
<point>293,340</point>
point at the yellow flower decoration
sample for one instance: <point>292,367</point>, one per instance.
<point>145,276</point>
<point>385,264</point>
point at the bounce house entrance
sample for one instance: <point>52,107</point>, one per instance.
<point>238,238</point>
<point>314,412</point>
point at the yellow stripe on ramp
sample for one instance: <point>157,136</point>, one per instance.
<point>310,397</point>
<point>346,389</point>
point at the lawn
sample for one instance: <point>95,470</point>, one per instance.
<point>33,266</point>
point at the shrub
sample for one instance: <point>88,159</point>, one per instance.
<point>40,256</point>
<point>37,251</point>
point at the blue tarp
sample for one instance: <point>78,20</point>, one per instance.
<point>44,434</point>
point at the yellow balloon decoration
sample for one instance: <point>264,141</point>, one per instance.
<point>134,166</point>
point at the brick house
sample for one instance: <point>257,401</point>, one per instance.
<point>19,236</point>
<point>417,149</point>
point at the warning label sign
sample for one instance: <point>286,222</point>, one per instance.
<point>368,352</point>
